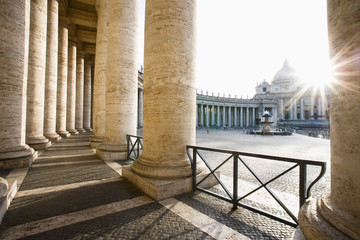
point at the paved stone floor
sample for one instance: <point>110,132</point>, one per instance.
<point>69,193</point>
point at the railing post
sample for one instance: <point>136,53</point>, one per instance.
<point>302,190</point>
<point>235,181</point>
<point>194,168</point>
<point>127,147</point>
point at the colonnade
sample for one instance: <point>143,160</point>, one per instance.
<point>211,115</point>
<point>317,105</point>
<point>42,81</point>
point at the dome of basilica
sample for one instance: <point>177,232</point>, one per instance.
<point>286,73</point>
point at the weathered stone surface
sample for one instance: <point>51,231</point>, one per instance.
<point>87,96</point>
<point>169,89</point>
<point>62,77</point>
<point>100,74</point>
<point>122,79</point>
<point>71,89</point>
<point>79,113</point>
<point>36,76</point>
<point>3,187</point>
<point>51,71</point>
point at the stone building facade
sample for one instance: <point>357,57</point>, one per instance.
<point>47,50</point>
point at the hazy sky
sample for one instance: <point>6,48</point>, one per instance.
<point>242,42</point>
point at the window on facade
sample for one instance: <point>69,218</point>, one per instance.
<point>264,89</point>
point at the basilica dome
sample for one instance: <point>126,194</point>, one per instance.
<point>285,74</point>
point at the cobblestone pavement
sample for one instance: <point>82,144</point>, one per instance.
<point>69,193</point>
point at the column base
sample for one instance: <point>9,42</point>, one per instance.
<point>95,141</point>
<point>21,157</point>
<point>159,189</point>
<point>63,133</point>
<point>38,143</point>
<point>88,129</point>
<point>80,130</point>
<point>111,152</point>
<point>53,137</point>
<point>315,226</point>
<point>73,131</point>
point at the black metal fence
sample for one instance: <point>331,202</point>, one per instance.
<point>134,149</point>
<point>304,190</point>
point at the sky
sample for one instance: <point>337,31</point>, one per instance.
<point>242,42</point>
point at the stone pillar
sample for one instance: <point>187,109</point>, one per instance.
<point>311,107</point>
<point>224,116</point>
<point>14,32</point>
<point>275,116</point>
<point>201,115</point>
<point>295,109</point>
<point>337,215</point>
<point>62,77</point>
<point>229,116</point>
<point>140,103</point>
<point>319,106</point>
<point>122,80</point>
<point>291,108</point>
<point>87,96</point>
<point>169,57</point>
<point>253,116</point>
<point>71,89</point>
<point>212,115</point>
<point>247,117</point>
<point>241,117</point>
<point>218,116</point>
<point>79,100</point>
<point>235,116</point>
<point>36,76</point>
<point>302,109</point>
<point>282,109</point>
<point>207,115</point>
<point>51,71</point>
<point>100,74</point>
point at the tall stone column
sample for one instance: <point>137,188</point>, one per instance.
<point>207,116</point>
<point>201,115</point>
<point>241,117</point>
<point>230,115</point>
<point>291,108</point>
<point>247,117</point>
<point>122,79</point>
<point>235,116</point>
<point>79,100</point>
<point>14,32</point>
<point>311,107</point>
<point>302,109</point>
<point>71,89</point>
<point>212,115</point>
<point>295,109</point>
<point>100,73</point>
<point>218,116</point>
<point>87,96</point>
<point>36,76</point>
<point>62,77</point>
<point>51,71</point>
<point>224,116</point>
<point>337,215</point>
<point>253,116</point>
<point>319,102</point>
<point>140,111</point>
<point>282,108</point>
<point>169,70</point>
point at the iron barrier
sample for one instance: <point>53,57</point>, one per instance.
<point>133,148</point>
<point>304,192</point>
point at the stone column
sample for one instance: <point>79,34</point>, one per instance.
<point>207,115</point>
<point>169,69</point>
<point>201,115</point>
<point>295,109</point>
<point>241,117</point>
<point>51,71</point>
<point>36,76</point>
<point>140,103</point>
<point>218,116</point>
<point>247,117</point>
<point>230,120</point>
<point>282,108</point>
<point>253,116</point>
<point>71,88</point>
<point>212,115</point>
<point>79,100</point>
<point>291,108</point>
<point>235,117</point>
<point>319,106</point>
<point>302,109</point>
<point>224,116</point>
<point>87,96</point>
<point>122,80</point>
<point>275,116</point>
<point>100,74</point>
<point>337,215</point>
<point>14,32</point>
<point>311,107</point>
<point>62,77</point>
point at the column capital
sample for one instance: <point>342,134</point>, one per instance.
<point>64,21</point>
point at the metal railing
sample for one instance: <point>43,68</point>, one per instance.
<point>134,149</point>
<point>304,192</point>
